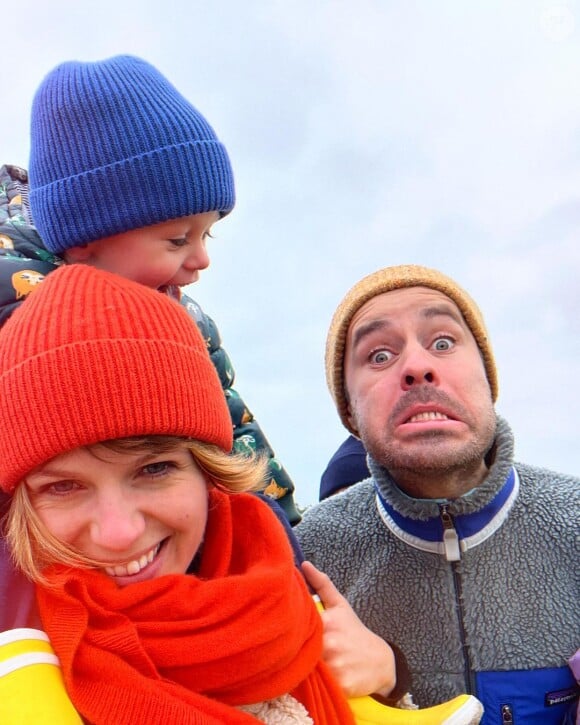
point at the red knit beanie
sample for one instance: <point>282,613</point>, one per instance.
<point>91,356</point>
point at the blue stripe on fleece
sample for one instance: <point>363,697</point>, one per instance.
<point>466,525</point>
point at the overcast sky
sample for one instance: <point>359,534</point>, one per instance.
<point>364,134</point>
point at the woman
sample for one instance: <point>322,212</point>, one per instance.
<point>117,460</point>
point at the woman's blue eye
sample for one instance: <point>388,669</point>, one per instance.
<point>58,488</point>
<point>443,344</point>
<point>62,486</point>
<point>156,469</point>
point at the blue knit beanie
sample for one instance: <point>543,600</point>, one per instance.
<point>115,147</point>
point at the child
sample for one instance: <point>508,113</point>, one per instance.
<point>126,175</point>
<point>121,482</point>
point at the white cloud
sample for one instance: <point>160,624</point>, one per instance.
<point>442,133</point>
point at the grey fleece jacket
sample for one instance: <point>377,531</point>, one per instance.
<point>481,593</point>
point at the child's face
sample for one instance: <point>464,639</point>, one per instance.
<point>170,253</point>
<point>145,514</point>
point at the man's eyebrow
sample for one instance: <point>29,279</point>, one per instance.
<point>368,328</point>
<point>442,310</point>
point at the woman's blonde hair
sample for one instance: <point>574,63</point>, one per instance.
<point>33,547</point>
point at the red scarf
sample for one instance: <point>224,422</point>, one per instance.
<point>184,649</point>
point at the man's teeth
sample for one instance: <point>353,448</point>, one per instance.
<point>133,567</point>
<point>431,415</point>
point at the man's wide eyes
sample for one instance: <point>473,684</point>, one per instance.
<point>442,344</point>
<point>381,356</point>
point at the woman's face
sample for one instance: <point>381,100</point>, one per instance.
<point>142,513</point>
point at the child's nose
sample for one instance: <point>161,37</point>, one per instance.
<point>198,257</point>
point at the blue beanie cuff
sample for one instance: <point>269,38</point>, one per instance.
<point>133,193</point>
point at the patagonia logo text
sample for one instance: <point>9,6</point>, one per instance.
<point>559,696</point>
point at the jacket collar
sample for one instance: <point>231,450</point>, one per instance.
<point>451,535</point>
<point>451,527</point>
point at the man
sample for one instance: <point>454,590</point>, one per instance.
<point>464,559</point>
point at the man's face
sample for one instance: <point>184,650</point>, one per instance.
<point>417,389</point>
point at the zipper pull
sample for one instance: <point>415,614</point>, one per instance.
<point>506,715</point>
<point>450,538</point>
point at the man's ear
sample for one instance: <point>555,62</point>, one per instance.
<point>78,255</point>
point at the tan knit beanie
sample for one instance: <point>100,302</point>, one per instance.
<point>386,280</point>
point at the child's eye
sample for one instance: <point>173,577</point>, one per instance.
<point>181,242</point>
<point>208,235</point>
<point>442,344</point>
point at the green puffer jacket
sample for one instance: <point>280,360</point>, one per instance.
<point>24,262</point>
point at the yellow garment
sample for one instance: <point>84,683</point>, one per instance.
<point>31,685</point>
<point>461,710</point>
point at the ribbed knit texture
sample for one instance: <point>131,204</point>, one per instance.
<point>92,356</point>
<point>386,280</point>
<point>115,147</point>
<point>189,649</point>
